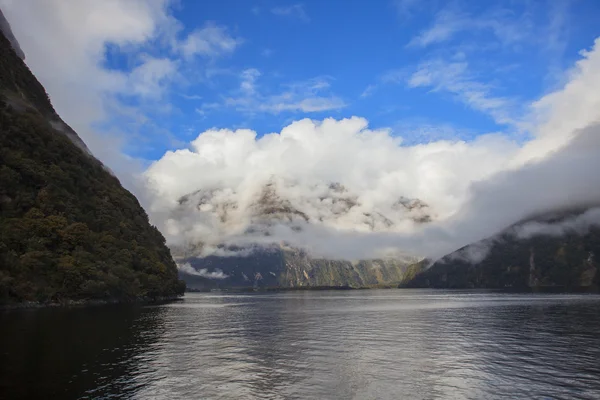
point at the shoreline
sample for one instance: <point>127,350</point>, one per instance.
<point>246,289</point>
<point>523,290</point>
<point>28,305</point>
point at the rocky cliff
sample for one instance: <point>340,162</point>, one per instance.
<point>278,267</point>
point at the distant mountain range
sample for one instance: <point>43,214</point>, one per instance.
<point>552,250</point>
<point>557,250</point>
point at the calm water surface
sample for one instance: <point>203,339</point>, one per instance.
<point>376,344</point>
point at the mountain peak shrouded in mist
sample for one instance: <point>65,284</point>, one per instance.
<point>278,211</point>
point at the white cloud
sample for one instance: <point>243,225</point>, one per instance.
<point>507,27</point>
<point>579,224</point>
<point>305,158</point>
<point>152,77</point>
<point>455,78</point>
<point>369,90</point>
<point>249,77</point>
<point>472,189</point>
<point>203,272</point>
<point>294,10</point>
<point>556,117</point>
<point>445,25</point>
<point>210,41</point>
<point>312,95</point>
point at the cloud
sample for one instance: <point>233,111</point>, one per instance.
<point>446,24</point>
<point>249,77</point>
<point>308,96</point>
<point>454,78</point>
<point>342,190</point>
<point>393,76</point>
<point>152,77</point>
<point>294,10</point>
<point>203,272</point>
<point>369,90</point>
<point>211,41</point>
<point>507,27</point>
<point>302,162</point>
<point>579,225</point>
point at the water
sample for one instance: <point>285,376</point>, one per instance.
<point>375,344</point>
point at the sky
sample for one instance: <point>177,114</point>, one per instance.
<point>430,100</point>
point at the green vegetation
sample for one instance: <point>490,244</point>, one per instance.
<point>68,229</point>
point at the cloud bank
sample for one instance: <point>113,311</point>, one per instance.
<point>203,272</point>
<point>342,190</point>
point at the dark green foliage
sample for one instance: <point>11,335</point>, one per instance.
<point>68,229</point>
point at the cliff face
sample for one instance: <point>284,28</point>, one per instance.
<point>68,229</point>
<point>567,261</point>
<point>290,268</point>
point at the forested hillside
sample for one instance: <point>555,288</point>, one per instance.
<point>68,229</point>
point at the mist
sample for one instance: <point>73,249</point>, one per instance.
<point>203,272</point>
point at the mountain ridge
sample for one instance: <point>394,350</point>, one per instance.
<point>555,249</point>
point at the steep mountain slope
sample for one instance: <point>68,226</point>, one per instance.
<point>555,250</point>
<point>68,229</point>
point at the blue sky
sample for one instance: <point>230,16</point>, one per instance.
<point>428,70</point>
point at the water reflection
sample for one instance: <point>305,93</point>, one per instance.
<point>78,353</point>
<point>363,345</point>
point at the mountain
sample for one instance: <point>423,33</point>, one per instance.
<point>558,250</point>
<point>261,260</point>
<point>279,267</point>
<point>68,229</point>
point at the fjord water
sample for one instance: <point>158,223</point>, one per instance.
<point>373,344</point>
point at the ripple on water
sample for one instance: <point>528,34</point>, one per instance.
<point>374,344</point>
